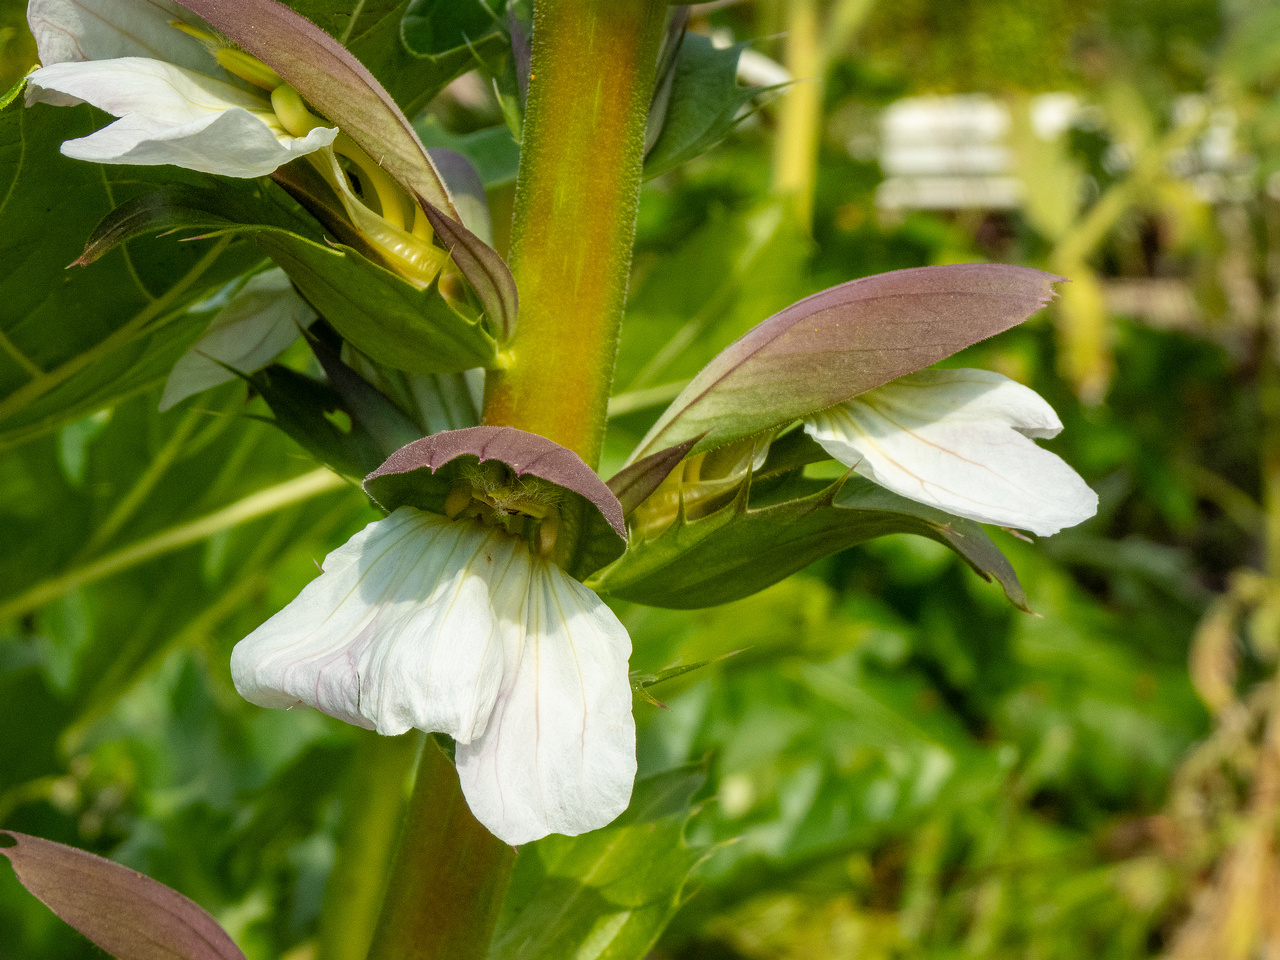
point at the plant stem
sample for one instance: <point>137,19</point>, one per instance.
<point>374,807</point>
<point>577,196</point>
<point>449,875</point>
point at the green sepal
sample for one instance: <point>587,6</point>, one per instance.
<point>383,315</point>
<point>12,94</point>
<point>756,540</point>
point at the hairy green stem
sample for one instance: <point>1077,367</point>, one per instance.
<point>577,196</point>
<point>449,875</point>
<point>575,214</point>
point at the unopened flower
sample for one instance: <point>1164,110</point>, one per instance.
<point>962,441</point>
<point>466,626</point>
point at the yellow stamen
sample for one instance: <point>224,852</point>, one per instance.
<point>548,531</point>
<point>232,59</point>
<point>292,112</point>
<point>247,67</point>
<point>388,191</point>
<point>210,40</point>
<point>458,500</point>
<point>421,225</point>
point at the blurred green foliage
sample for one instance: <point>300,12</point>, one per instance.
<point>898,763</point>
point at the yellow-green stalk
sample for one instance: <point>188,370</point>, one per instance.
<point>575,215</point>
<point>578,193</point>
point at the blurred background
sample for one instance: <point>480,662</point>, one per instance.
<point>900,765</point>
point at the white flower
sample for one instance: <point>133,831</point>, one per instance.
<point>175,103</point>
<point>259,323</point>
<point>452,626</point>
<point>960,440</point>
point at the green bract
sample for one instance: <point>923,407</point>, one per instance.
<point>388,318</point>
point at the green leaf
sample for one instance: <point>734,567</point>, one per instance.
<point>315,417</point>
<point>454,35</point>
<point>370,29</point>
<point>703,104</point>
<point>377,311</point>
<point>368,406</point>
<point>493,150</point>
<point>608,894</point>
<point>754,542</point>
<point>73,341</point>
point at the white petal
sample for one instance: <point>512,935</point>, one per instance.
<point>73,30</point>
<point>558,755</point>
<point>177,116</point>
<point>397,632</point>
<point>959,440</point>
<point>260,323</point>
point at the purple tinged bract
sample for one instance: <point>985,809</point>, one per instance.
<point>843,342</point>
<point>129,915</point>
<point>332,80</point>
<point>525,453</point>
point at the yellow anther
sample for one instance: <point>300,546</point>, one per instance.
<point>292,111</point>
<point>211,40</point>
<point>230,58</point>
<point>247,68</point>
<point>548,531</point>
<point>459,499</point>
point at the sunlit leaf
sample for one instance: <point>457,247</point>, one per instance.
<point>702,106</point>
<point>608,893</point>
<point>454,35</point>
